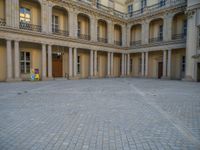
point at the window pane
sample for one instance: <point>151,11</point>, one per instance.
<point>28,67</point>
<point>22,56</point>
<point>28,56</point>
<point>22,67</point>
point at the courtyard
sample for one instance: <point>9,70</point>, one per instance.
<point>100,114</point>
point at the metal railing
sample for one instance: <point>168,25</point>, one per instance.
<point>31,27</point>
<point>119,43</point>
<point>136,43</point>
<point>100,6</point>
<point>2,22</point>
<point>60,32</point>
<point>83,36</point>
<point>103,40</point>
<point>156,39</point>
<point>178,36</point>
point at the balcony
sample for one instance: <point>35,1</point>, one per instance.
<point>155,40</point>
<point>86,1</point>
<point>60,32</point>
<point>118,43</point>
<point>102,7</point>
<point>84,36</point>
<point>179,36</point>
<point>156,7</point>
<point>2,22</point>
<point>135,43</point>
<point>30,27</point>
<point>102,40</point>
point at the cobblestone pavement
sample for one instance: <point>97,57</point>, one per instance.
<point>105,114</point>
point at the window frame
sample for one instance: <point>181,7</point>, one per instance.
<point>25,61</point>
<point>55,26</point>
<point>78,64</point>
<point>198,41</point>
<point>24,13</point>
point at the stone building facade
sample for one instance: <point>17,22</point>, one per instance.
<point>100,38</point>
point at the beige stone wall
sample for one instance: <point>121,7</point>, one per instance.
<point>136,64</point>
<point>36,57</point>
<point>177,63</point>
<point>102,29</point>
<point>85,63</point>
<point>154,59</point>
<point>2,60</point>
<point>136,33</point>
<point>117,33</point>
<point>102,64</point>
<point>2,9</point>
<point>35,11</point>
<point>85,24</point>
<point>116,65</point>
<point>177,25</point>
<point>154,28</point>
<point>63,17</point>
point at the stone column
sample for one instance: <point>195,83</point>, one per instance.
<point>167,27</point>
<point>9,60</point>
<point>45,11</point>
<point>91,63</point>
<point>142,63</point>
<point>108,64</point>
<point>128,32</point>
<point>70,62</point>
<point>49,61</point>
<point>128,64</point>
<point>146,64</point>
<point>145,32</point>
<point>16,60</point>
<point>95,63</point>
<point>49,18</point>
<point>73,25</point>
<point>122,65</point>
<point>75,62</point>
<point>169,64</point>
<point>110,32</point>
<point>111,64</point>
<point>93,29</point>
<point>44,74</point>
<point>124,40</point>
<point>125,64</point>
<point>164,63</point>
<point>12,13</point>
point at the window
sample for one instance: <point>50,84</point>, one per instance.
<point>162,3</point>
<point>130,8</point>
<point>183,64</point>
<point>78,65</point>
<point>143,5</point>
<point>79,27</point>
<point>184,28</point>
<point>25,15</point>
<point>25,62</point>
<point>140,65</point>
<point>199,38</point>
<point>55,24</point>
<point>131,65</point>
<point>160,32</point>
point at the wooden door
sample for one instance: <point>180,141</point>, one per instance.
<point>160,70</point>
<point>57,65</point>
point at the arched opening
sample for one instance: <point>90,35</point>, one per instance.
<point>59,21</point>
<point>83,27</point>
<point>135,37</point>
<point>117,35</point>
<point>156,30</point>
<point>179,26</point>
<point>30,15</point>
<point>102,31</point>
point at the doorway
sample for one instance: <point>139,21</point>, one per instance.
<point>160,70</point>
<point>57,65</point>
<point>198,72</point>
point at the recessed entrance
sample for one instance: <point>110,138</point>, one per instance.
<point>57,65</point>
<point>160,70</point>
<point>198,72</point>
